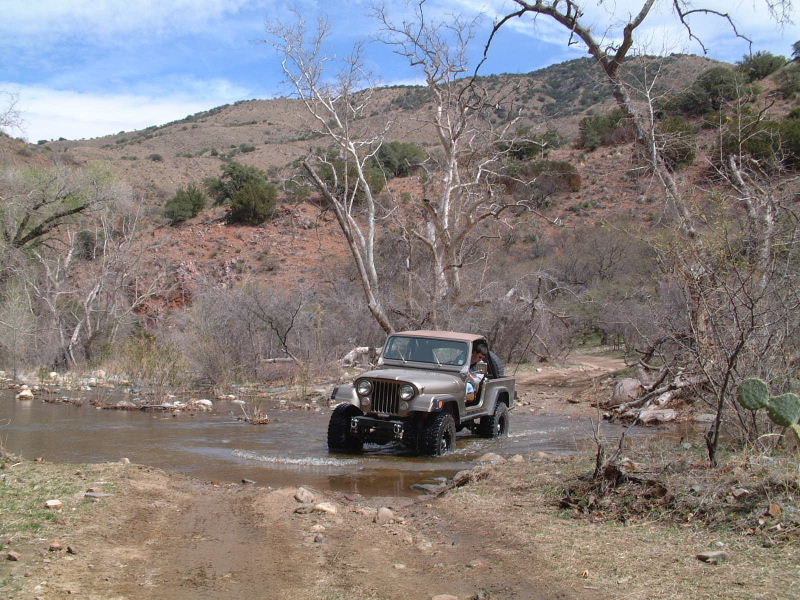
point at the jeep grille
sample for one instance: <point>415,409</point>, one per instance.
<point>385,396</point>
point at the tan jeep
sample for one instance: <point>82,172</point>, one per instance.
<point>418,395</point>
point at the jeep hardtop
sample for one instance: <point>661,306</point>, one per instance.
<point>418,395</point>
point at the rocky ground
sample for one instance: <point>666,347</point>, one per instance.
<point>143,533</point>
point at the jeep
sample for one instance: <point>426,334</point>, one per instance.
<point>418,395</point>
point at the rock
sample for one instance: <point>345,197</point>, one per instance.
<point>11,555</point>
<point>658,415</point>
<point>705,418</point>
<point>25,394</point>
<point>476,564</point>
<point>544,455</point>
<point>774,510</point>
<point>55,546</point>
<point>248,482</point>
<point>317,528</point>
<point>325,507</point>
<point>399,566</point>
<point>713,558</point>
<point>318,539</point>
<point>626,390</point>
<point>72,550</point>
<point>517,458</point>
<point>125,461</point>
<point>304,496</point>
<point>204,402</point>
<point>444,597</point>
<point>740,493</point>
<point>384,516</point>
<point>428,488</point>
<point>96,495</point>
<point>54,504</point>
<point>491,458</point>
<point>462,477</point>
<point>304,509</point>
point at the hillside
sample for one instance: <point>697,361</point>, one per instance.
<point>270,134</point>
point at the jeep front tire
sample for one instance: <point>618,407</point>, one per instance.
<point>439,435</point>
<point>339,437</point>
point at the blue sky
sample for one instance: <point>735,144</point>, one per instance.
<point>85,68</point>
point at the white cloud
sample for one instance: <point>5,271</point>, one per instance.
<point>661,29</point>
<point>88,19</point>
<point>49,114</point>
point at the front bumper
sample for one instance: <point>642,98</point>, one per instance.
<point>381,431</point>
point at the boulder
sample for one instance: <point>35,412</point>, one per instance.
<point>325,507</point>
<point>304,496</point>
<point>384,516</point>
<point>11,555</point>
<point>491,458</point>
<point>626,390</point>
<point>54,504</point>
<point>657,415</point>
<point>713,558</point>
<point>25,394</point>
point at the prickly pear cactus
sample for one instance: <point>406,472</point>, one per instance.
<point>784,409</point>
<point>796,431</point>
<point>753,394</point>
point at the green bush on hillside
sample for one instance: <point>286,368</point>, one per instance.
<point>235,176</point>
<point>253,204</point>
<point>712,89</point>
<point>604,130</point>
<point>759,65</point>
<point>677,138</point>
<point>185,204</point>
<point>400,159</point>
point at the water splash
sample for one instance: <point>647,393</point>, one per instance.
<point>309,461</point>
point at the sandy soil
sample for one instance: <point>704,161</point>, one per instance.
<point>161,535</point>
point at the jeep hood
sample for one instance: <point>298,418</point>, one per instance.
<point>428,382</point>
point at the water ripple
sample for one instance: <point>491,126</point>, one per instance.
<point>309,461</point>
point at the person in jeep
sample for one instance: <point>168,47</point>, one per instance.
<point>426,386</point>
<point>475,375</point>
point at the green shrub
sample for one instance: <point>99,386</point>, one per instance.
<point>677,142</point>
<point>759,65</point>
<point>341,176</point>
<point>185,204</point>
<point>527,146</point>
<point>89,244</point>
<point>788,80</point>
<point>234,177</point>
<point>399,159</point>
<point>538,181</point>
<point>244,148</point>
<point>253,204</point>
<point>604,130</point>
<point>709,92</point>
<point>155,157</point>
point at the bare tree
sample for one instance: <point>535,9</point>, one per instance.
<point>729,301</point>
<point>9,116</point>
<point>458,184</point>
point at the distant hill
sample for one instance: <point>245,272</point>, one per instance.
<point>272,133</point>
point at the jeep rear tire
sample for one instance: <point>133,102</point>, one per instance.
<point>496,424</point>
<point>438,436</point>
<point>339,437</point>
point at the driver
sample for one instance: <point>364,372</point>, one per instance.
<point>479,353</point>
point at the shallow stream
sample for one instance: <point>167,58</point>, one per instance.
<point>291,450</point>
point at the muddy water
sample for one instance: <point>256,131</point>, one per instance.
<point>289,451</point>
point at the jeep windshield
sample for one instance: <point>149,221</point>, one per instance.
<point>426,350</point>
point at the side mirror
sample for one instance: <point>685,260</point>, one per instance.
<point>481,367</point>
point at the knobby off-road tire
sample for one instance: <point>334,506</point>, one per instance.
<point>495,424</point>
<point>438,436</point>
<point>339,437</point>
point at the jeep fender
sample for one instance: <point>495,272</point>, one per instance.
<point>345,394</point>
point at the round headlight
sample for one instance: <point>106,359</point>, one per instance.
<point>364,387</point>
<point>406,392</point>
